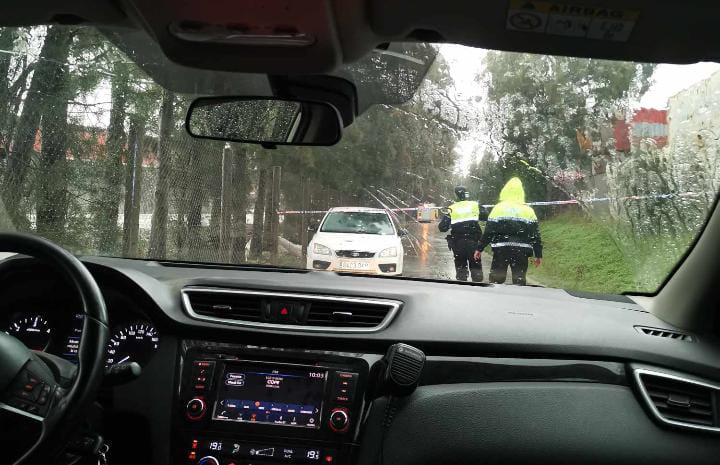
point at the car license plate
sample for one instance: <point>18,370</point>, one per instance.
<point>346,265</point>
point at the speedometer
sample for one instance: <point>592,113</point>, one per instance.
<point>32,329</point>
<point>135,342</point>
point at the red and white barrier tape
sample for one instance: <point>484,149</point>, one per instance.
<point>551,202</point>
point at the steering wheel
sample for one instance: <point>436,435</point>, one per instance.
<point>41,395</point>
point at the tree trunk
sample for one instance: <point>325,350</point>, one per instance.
<point>52,193</point>
<point>54,53</point>
<point>273,214</point>
<point>214,170</point>
<point>15,98</point>
<point>133,190</point>
<point>256,244</point>
<point>8,35</point>
<point>179,187</point>
<point>195,197</point>
<point>267,225</point>
<point>304,221</point>
<point>158,231</point>
<point>239,199</point>
<point>110,185</point>
<point>226,195</point>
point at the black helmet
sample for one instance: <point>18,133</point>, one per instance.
<point>461,193</point>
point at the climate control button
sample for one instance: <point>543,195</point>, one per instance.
<point>208,460</point>
<point>339,420</point>
<point>195,409</point>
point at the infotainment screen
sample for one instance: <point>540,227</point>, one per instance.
<point>271,394</point>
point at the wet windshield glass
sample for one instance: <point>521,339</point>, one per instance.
<point>617,164</point>
<point>357,223</point>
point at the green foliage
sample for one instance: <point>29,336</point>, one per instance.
<point>581,254</point>
<point>538,101</point>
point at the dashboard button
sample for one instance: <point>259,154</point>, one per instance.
<point>202,374</point>
<point>344,388</point>
<point>282,312</point>
<point>339,420</point>
<point>17,403</point>
<point>208,460</point>
<point>195,409</point>
<point>25,394</point>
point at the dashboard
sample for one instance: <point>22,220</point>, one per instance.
<point>256,366</point>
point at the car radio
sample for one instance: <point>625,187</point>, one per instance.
<point>240,405</point>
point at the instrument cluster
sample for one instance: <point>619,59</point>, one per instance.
<point>49,320</point>
<point>134,341</point>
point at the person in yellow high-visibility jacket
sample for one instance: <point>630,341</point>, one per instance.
<point>463,222</point>
<point>513,233</point>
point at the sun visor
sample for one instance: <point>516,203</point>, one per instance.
<point>389,75</point>
<point>148,55</point>
<point>250,36</point>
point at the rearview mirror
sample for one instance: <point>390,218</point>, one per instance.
<point>264,120</point>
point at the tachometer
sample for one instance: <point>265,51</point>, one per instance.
<point>136,342</point>
<point>32,329</point>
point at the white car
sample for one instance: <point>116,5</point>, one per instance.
<point>357,240</point>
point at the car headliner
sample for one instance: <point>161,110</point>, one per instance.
<point>346,30</point>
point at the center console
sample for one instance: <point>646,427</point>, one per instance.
<point>239,405</point>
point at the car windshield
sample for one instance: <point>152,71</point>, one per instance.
<point>357,223</point>
<point>576,173</point>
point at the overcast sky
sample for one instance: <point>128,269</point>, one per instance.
<point>465,63</point>
<point>671,79</point>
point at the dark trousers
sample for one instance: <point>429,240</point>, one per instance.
<point>514,257</point>
<point>463,250</point>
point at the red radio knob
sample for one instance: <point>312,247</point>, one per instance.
<point>339,420</point>
<point>195,409</point>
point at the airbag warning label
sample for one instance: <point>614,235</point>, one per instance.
<point>571,20</point>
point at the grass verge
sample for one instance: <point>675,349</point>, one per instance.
<point>581,254</point>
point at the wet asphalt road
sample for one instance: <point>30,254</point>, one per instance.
<point>427,254</point>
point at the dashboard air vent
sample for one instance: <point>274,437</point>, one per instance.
<point>288,311</point>
<point>666,333</point>
<point>226,305</point>
<point>347,314</point>
<point>681,402</point>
